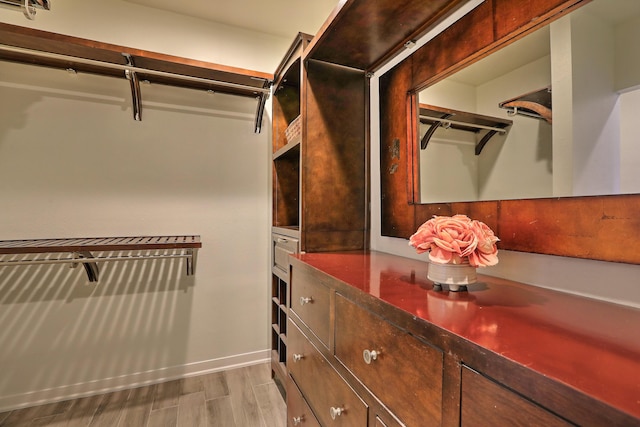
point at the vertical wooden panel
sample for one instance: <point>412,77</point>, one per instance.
<point>334,164</point>
<point>396,209</point>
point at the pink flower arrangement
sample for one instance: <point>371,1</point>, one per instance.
<point>455,240</point>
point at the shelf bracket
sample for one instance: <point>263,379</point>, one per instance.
<point>91,268</point>
<point>191,260</point>
<point>262,99</point>
<point>434,127</point>
<point>134,82</point>
<point>480,145</point>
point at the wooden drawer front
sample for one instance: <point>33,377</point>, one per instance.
<point>406,375</point>
<point>298,411</point>
<point>282,247</point>
<point>485,402</point>
<point>321,385</point>
<point>310,301</point>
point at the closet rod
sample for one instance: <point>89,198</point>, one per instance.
<point>89,261</point>
<point>124,68</point>
<point>92,259</point>
<point>446,122</point>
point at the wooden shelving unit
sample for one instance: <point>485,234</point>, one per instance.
<point>321,184</point>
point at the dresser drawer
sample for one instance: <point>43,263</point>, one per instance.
<point>404,373</point>
<point>485,402</point>
<point>310,301</point>
<point>326,392</point>
<point>298,411</point>
<point>283,246</point>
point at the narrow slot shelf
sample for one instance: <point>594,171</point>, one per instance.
<point>289,151</point>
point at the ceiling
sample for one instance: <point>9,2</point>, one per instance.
<point>279,17</point>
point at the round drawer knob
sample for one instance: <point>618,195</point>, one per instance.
<point>335,412</point>
<point>369,356</point>
<point>297,420</point>
<point>305,300</point>
<point>297,357</point>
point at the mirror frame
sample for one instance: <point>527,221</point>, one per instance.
<point>592,227</point>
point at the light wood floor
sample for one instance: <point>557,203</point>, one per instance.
<point>243,397</point>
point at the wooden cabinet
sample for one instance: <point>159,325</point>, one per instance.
<point>320,121</point>
<point>401,354</point>
<point>319,161</point>
<point>354,367</point>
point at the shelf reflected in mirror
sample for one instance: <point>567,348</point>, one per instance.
<point>580,141</point>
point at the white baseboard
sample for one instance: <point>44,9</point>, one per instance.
<point>106,385</point>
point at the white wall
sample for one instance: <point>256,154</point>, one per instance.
<point>129,24</point>
<point>74,163</point>
<point>614,282</point>
<point>518,165</point>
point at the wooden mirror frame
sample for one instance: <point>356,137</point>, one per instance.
<point>595,227</point>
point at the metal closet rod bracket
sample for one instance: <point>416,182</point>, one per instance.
<point>28,7</point>
<point>134,82</point>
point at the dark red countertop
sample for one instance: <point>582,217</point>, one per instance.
<point>590,345</point>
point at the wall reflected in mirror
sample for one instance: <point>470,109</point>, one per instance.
<point>553,114</point>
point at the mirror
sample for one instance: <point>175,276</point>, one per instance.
<point>549,115</point>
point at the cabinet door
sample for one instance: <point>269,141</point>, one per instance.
<point>332,400</point>
<point>485,402</point>
<point>404,373</point>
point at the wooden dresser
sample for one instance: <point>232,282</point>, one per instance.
<point>370,343</point>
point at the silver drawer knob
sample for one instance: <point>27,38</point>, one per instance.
<point>335,412</point>
<point>297,357</point>
<point>297,420</point>
<point>305,300</point>
<point>369,356</point>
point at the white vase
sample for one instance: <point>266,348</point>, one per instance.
<point>456,276</point>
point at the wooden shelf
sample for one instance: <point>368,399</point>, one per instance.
<point>536,104</point>
<point>365,34</point>
<point>291,150</point>
<point>461,120</point>
<point>81,250</point>
<point>36,47</point>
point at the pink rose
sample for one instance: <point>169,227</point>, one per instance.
<point>448,239</point>
<point>453,240</point>
<point>486,252</point>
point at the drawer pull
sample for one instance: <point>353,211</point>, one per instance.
<point>298,420</point>
<point>297,357</point>
<point>305,300</point>
<point>335,412</point>
<point>369,356</point>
